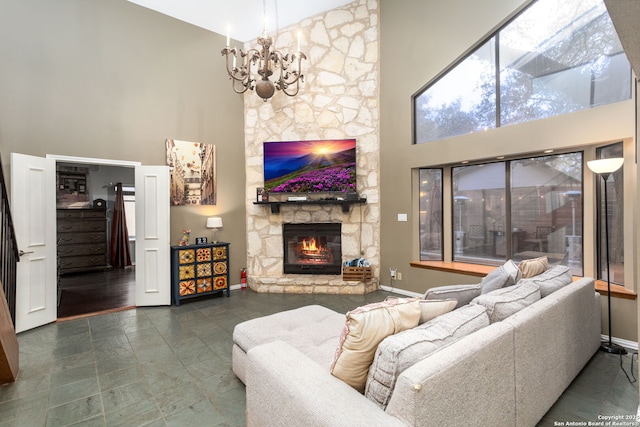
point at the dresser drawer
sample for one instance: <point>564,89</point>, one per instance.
<point>72,238</point>
<point>82,226</point>
<point>82,249</point>
<point>69,263</point>
<point>79,213</point>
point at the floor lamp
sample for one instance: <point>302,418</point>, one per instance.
<point>604,168</point>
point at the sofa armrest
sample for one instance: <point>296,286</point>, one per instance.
<point>286,388</point>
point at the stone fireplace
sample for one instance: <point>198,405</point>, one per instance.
<point>312,248</point>
<point>339,99</point>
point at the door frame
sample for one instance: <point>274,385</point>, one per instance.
<point>92,161</point>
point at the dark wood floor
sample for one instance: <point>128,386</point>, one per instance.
<point>86,293</point>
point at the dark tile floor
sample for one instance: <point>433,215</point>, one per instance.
<point>171,366</point>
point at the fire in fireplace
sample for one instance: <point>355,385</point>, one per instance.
<point>312,248</point>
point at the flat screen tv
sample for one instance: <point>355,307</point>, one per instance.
<point>310,166</point>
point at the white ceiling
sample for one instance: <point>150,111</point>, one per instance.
<point>242,18</point>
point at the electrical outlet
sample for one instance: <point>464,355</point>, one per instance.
<point>398,275</point>
<point>393,272</point>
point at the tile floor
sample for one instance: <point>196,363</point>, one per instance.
<point>171,366</point>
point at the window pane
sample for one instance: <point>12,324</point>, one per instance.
<point>615,191</point>
<point>479,213</point>
<point>430,214</point>
<point>462,101</point>
<point>546,209</point>
<point>558,57</point>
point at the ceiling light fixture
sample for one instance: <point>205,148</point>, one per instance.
<point>265,62</point>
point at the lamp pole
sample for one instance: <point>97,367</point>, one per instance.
<point>604,168</point>
<point>609,347</point>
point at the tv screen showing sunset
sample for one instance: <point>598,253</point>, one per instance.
<point>310,166</point>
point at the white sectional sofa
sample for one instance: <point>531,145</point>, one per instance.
<point>509,372</point>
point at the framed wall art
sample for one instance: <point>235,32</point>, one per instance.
<point>192,169</point>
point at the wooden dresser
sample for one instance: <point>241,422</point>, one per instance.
<point>82,240</point>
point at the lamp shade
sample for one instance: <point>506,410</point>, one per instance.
<point>214,222</point>
<point>605,165</point>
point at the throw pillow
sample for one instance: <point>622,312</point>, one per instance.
<point>507,274</point>
<point>551,280</point>
<point>364,329</point>
<point>461,293</point>
<point>534,266</point>
<point>430,309</point>
<point>502,303</point>
<point>398,352</point>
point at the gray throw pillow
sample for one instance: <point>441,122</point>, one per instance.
<point>551,280</point>
<point>461,293</point>
<point>504,302</point>
<point>398,352</point>
<point>507,274</point>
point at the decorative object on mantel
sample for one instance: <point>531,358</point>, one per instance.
<point>264,61</point>
<point>262,195</point>
<point>184,241</point>
<point>214,223</point>
<point>192,170</point>
<point>604,168</point>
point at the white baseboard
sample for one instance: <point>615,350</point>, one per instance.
<point>400,291</point>
<point>625,343</point>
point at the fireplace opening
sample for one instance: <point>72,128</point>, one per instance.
<point>312,248</point>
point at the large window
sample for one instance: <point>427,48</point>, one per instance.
<point>615,192</point>
<point>515,209</point>
<point>556,57</point>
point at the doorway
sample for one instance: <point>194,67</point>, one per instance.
<point>94,287</point>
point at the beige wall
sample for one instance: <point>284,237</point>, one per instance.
<point>112,80</point>
<point>418,39</point>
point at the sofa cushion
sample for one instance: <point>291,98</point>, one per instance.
<point>507,274</point>
<point>534,266</point>
<point>551,280</point>
<point>502,303</point>
<point>400,351</point>
<point>364,329</point>
<point>430,309</point>
<point>461,293</point>
<point>312,329</point>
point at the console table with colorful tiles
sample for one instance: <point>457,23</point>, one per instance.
<point>198,270</point>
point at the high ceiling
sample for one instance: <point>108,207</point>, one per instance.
<point>243,19</point>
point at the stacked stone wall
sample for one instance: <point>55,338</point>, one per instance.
<point>338,100</point>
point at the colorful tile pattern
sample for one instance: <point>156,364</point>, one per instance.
<point>203,254</point>
<point>220,283</point>
<point>220,267</point>
<point>187,287</point>
<point>186,256</point>
<point>205,285</point>
<point>204,269</point>
<point>220,253</point>
<point>186,272</point>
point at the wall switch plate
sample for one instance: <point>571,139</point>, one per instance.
<point>402,217</point>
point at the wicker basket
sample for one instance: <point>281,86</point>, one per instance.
<point>356,274</point>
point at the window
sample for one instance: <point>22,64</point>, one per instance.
<point>555,57</point>
<point>430,214</point>
<point>615,192</point>
<point>519,209</point>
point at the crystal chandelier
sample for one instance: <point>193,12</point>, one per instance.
<point>243,66</point>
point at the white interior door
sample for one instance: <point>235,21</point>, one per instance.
<point>33,209</point>
<point>153,271</point>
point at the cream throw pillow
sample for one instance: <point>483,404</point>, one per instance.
<point>365,328</point>
<point>430,309</point>
<point>533,267</point>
